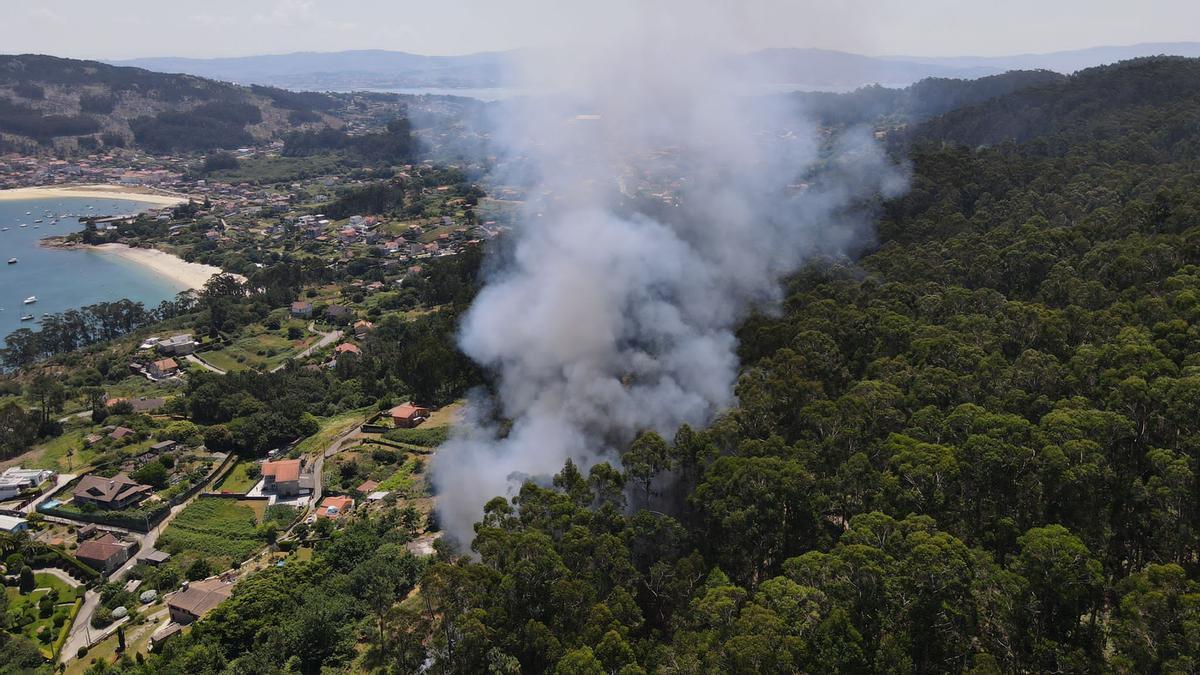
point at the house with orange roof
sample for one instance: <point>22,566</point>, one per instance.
<point>282,477</point>
<point>333,507</point>
<point>407,415</point>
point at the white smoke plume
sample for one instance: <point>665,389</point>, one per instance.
<point>668,204</point>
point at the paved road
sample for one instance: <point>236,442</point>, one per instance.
<point>325,341</point>
<point>81,631</point>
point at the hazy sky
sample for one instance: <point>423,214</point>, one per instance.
<point>131,28</point>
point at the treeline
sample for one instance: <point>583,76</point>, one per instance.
<point>394,145</point>
<point>928,98</point>
<point>74,329</point>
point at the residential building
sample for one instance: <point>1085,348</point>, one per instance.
<point>13,524</point>
<point>163,368</point>
<point>197,598</point>
<point>333,507</point>
<point>117,492</point>
<point>301,310</point>
<point>120,432</point>
<point>15,480</point>
<point>104,553</point>
<point>361,328</point>
<point>282,477</point>
<point>367,487</point>
<point>407,416</point>
<point>177,345</point>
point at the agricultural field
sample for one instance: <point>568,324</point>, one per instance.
<point>220,531</point>
<point>44,613</point>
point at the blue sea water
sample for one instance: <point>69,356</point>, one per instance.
<point>65,279</point>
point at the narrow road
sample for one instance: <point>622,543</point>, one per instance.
<point>325,341</point>
<point>81,631</point>
<point>192,358</point>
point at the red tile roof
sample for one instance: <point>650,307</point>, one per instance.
<point>408,411</point>
<point>101,549</point>
<point>332,507</point>
<point>283,471</point>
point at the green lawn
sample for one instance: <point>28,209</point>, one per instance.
<point>25,615</point>
<point>237,480</point>
<point>220,530</point>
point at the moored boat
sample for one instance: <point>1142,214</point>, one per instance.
<point>30,300</point>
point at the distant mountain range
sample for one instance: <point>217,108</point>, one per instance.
<point>816,69</point>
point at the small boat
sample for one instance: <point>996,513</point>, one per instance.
<point>38,220</point>
<point>29,213</point>
<point>31,299</point>
<point>4,230</point>
<point>24,224</point>
<point>12,261</point>
<point>27,317</point>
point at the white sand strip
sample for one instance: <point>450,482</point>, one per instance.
<point>93,192</point>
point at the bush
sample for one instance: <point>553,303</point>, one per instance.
<point>26,581</point>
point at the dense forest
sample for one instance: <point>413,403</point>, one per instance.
<point>974,449</point>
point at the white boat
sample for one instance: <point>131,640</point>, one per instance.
<point>31,299</point>
<point>27,317</point>
<point>24,224</point>
<point>4,230</point>
<point>12,261</point>
<point>38,220</point>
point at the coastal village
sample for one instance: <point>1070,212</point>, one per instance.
<point>135,524</point>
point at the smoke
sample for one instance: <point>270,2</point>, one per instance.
<point>666,204</point>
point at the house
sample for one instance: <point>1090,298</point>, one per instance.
<point>163,446</point>
<point>120,432</point>
<point>282,477</point>
<point>332,507</point>
<point>197,598</point>
<point>362,327</point>
<point>177,345</point>
<point>346,348</point>
<point>367,487</point>
<point>13,524</point>
<point>155,557</point>
<point>338,314</point>
<point>104,553</point>
<point>163,368</point>
<point>301,310</point>
<point>87,532</point>
<point>15,480</point>
<point>117,492</point>
<point>407,416</point>
<point>92,439</point>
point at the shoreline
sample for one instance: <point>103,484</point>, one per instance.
<point>178,271</point>
<point>94,191</point>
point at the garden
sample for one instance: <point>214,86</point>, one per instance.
<point>394,470</point>
<point>212,533</point>
<point>40,607</point>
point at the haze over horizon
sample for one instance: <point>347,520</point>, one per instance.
<point>224,28</point>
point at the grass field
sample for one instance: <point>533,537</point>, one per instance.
<point>331,428</point>
<point>221,531</point>
<point>237,480</point>
<point>259,348</point>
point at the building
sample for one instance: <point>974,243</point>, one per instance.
<point>337,314</point>
<point>155,557</point>
<point>361,328</point>
<point>13,524</point>
<point>16,480</point>
<point>301,310</point>
<point>120,432</point>
<point>197,598</point>
<point>163,368</point>
<point>407,416</point>
<point>104,553</point>
<point>282,477</point>
<point>346,348</point>
<point>177,345</point>
<point>163,446</point>
<point>117,492</point>
<point>367,487</point>
<point>333,507</point>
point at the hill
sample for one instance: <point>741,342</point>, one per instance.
<point>67,103</point>
<point>1138,106</point>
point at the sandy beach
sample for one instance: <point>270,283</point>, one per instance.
<point>93,191</point>
<point>173,268</point>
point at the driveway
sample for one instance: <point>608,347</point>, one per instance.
<point>192,358</point>
<point>325,341</point>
